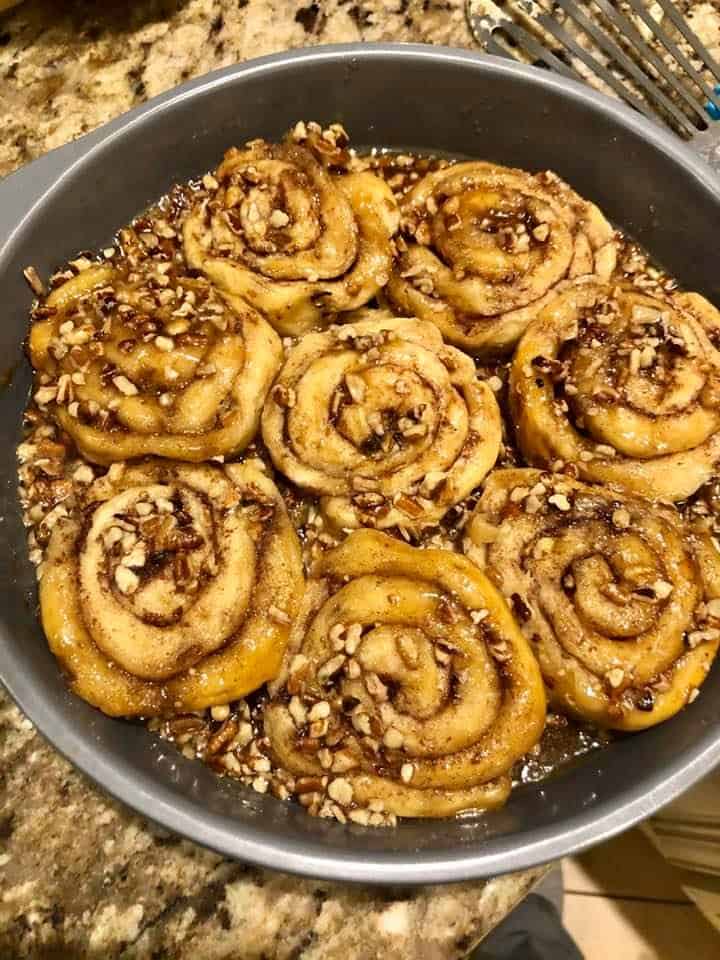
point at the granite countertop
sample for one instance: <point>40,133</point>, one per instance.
<point>66,68</point>
<point>80,875</point>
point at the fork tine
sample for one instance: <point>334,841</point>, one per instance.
<point>606,44</point>
<point>692,38</point>
<point>485,28</point>
<point>563,37</point>
<point>675,51</point>
<point>625,26</point>
<point>497,49</point>
<point>525,39</point>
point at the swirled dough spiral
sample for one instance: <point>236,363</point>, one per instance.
<point>296,241</point>
<point>485,246</point>
<point>147,360</point>
<point>386,423</point>
<point>174,589</point>
<point>625,385</point>
<point>431,693</point>
<point>617,596</point>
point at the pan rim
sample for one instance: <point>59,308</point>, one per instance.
<point>308,857</point>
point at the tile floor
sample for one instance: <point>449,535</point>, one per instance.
<point>623,901</point>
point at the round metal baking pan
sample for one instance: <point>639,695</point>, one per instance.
<point>426,98</point>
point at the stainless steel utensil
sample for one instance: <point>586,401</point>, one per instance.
<point>596,34</point>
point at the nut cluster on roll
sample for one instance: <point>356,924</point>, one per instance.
<point>624,385</point>
<point>618,597</point>
<point>386,423</point>
<point>293,239</point>
<point>408,682</point>
<point>135,357</point>
<point>173,590</point>
<point>484,247</point>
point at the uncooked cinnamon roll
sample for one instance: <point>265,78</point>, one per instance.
<point>136,360</point>
<point>409,684</point>
<point>390,426</point>
<point>296,241</point>
<point>174,589</point>
<point>485,246</point>
<point>624,385</point>
<point>617,596</point>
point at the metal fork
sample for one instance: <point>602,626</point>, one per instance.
<point>675,92</point>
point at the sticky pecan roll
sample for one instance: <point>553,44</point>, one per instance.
<point>173,589</point>
<point>140,358</point>
<point>624,385</point>
<point>386,423</point>
<point>483,247</point>
<point>616,594</point>
<point>287,232</point>
<point>407,680</point>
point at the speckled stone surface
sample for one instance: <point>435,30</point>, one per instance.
<point>80,875</point>
<point>67,67</point>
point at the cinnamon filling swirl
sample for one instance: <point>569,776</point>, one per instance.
<point>617,595</point>
<point>137,357</point>
<point>390,426</point>
<point>291,238</point>
<point>409,679</point>
<point>485,247</point>
<point>173,589</point>
<point>623,384</point>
